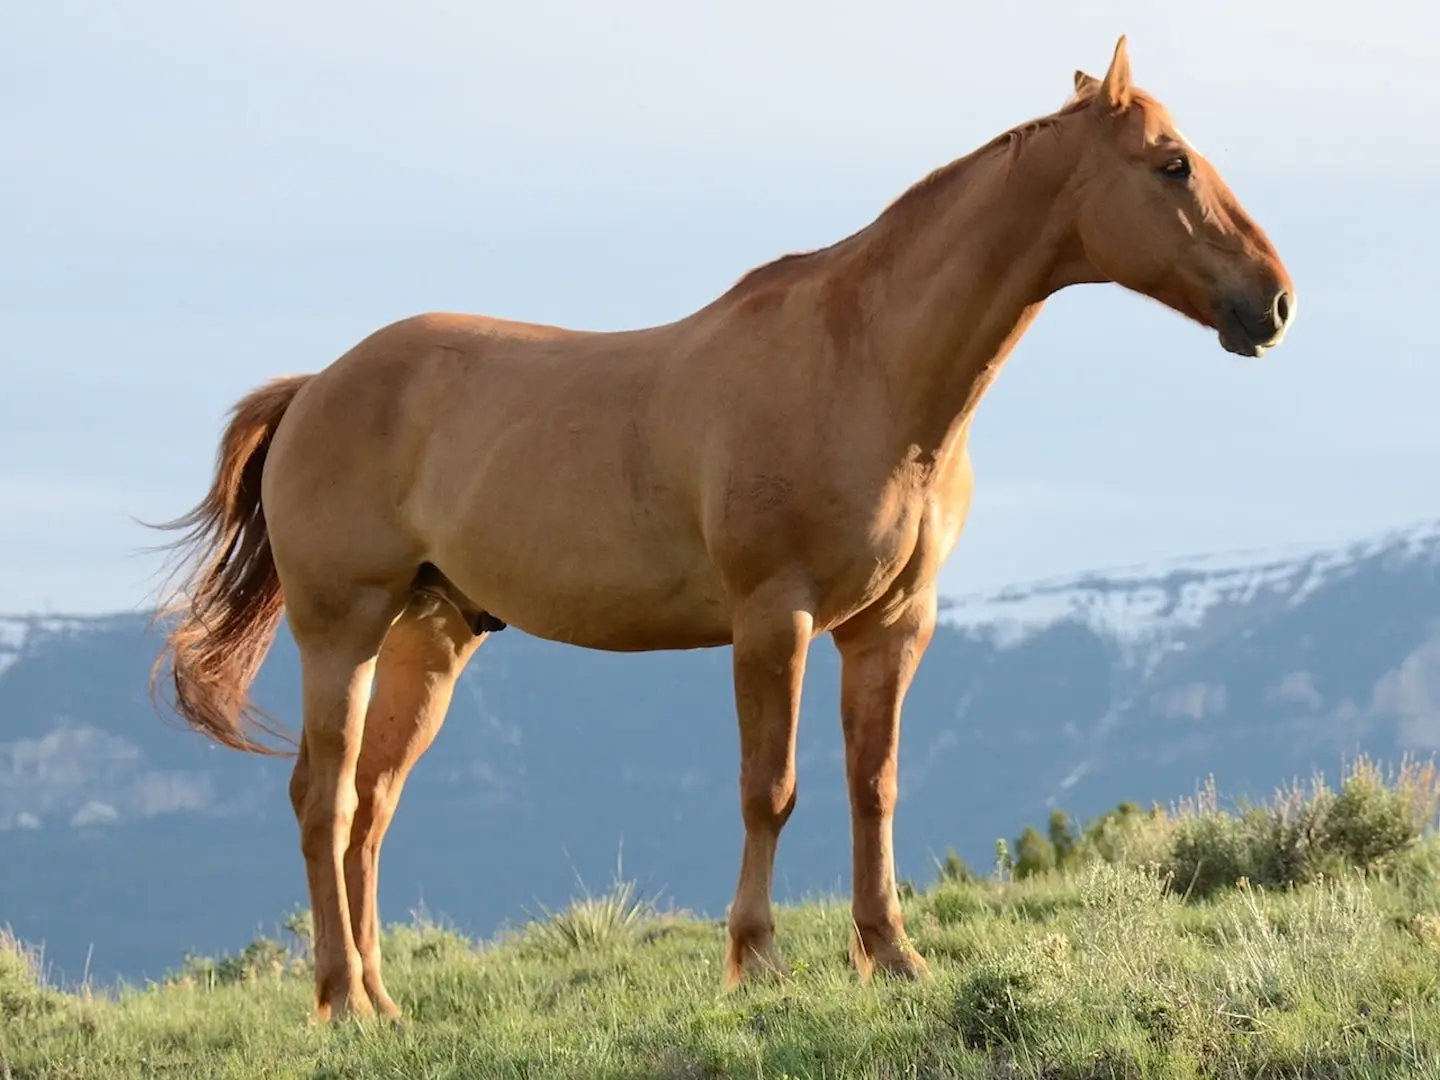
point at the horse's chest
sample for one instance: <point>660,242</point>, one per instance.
<point>898,552</point>
<point>855,543</point>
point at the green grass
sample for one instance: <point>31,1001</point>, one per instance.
<point>1101,973</point>
<point>1311,951</point>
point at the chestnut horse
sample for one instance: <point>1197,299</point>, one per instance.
<point>789,460</point>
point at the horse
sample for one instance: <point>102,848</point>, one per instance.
<point>788,461</point>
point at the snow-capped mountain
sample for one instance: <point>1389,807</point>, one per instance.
<point>1151,609</point>
<point>19,632</point>
<point>125,832</point>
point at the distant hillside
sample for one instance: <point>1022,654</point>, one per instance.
<point>123,832</point>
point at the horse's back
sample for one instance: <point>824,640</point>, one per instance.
<point>543,470</point>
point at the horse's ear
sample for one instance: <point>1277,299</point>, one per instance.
<point>1085,85</point>
<point>1116,89</point>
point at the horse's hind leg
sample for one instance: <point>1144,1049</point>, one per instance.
<point>338,637</point>
<point>415,676</point>
<point>772,636</point>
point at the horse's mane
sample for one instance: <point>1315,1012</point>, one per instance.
<point>919,194</point>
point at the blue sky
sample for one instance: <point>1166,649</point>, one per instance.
<point>202,196</point>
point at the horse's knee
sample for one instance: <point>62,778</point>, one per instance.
<point>299,785</point>
<point>873,795</point>
<point>768,805</point>
<point>325,814</point>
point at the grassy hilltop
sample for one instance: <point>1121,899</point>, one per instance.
<point>1297,939</point>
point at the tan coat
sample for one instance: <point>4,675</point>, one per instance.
<point>788,461</point>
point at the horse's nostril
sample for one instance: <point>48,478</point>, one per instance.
<point>1282,309</point>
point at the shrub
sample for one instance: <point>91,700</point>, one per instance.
<point>1061,838</point>
<point>22,980</point>
<point>1371,822</point>
<point>1034,854</point>
<point>954,869</point>
<point>1370,825</point>
<point>1213,852</point>
<point>594,922</point>
<point>424,939</point>
<point>1010,1000</point>
<point>1374,823</point>
<point>264,959</point>
<point>953,903</point>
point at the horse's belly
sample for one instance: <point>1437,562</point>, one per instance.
<point>622,614</point>
<point>603,580</point>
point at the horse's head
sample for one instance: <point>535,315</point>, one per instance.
<point>1154,216</point>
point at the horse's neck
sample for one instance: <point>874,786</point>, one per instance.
<point>959,282</point>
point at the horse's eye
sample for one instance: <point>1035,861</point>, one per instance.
<point>1176,168</point>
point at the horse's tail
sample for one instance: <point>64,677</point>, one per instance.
<point>225,614</point>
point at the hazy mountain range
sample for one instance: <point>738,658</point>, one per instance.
<point>125,841</point>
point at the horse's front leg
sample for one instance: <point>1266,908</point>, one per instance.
<point>878,660</point>
<point>772,632</point>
